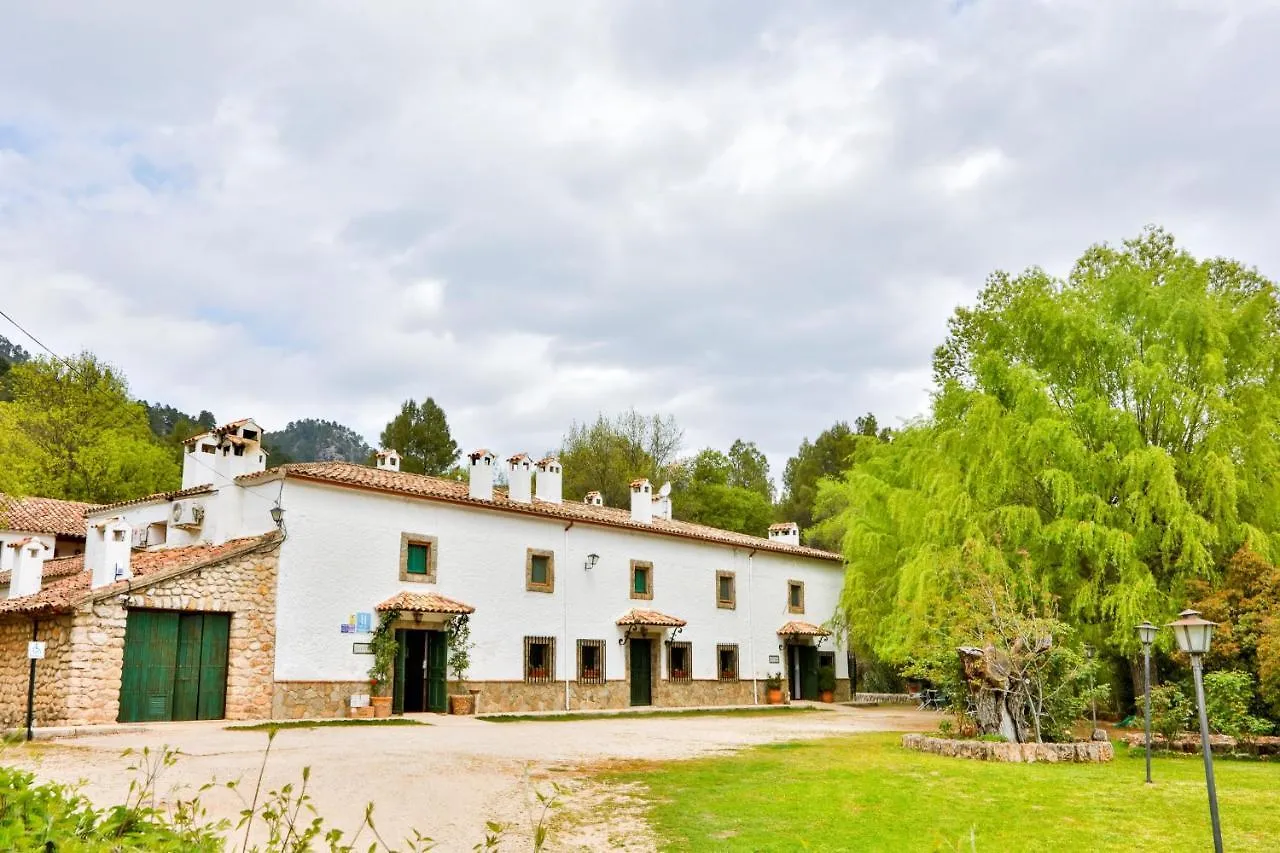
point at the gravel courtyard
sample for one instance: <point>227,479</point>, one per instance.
<point>445,779</point>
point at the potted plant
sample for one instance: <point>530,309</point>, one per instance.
<point>773,688</point>
<point>384,648</point>
<point>460,646</point>
<point>827,683</point>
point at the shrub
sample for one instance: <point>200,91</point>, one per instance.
<point>826,678</point>
<point>1227,699</point>
<point>1170,711</point>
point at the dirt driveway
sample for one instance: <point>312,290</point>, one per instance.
<point>447,778</point>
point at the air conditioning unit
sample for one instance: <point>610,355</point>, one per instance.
<point>188,514</point>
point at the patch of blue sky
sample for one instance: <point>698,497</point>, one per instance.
<point>161,178</point>
<point>15,138</point>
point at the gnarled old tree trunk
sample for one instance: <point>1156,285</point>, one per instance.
<point>996,703</point>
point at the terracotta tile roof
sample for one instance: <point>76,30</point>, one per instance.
<point>785,525</point>
<point>436,488</point>
<point>802,629</point>
<point>651,619</point>
<point>423,602</point>
<point>44,515</point>
<point>206,489</point>
<point>548,460</point>
<point>221,431</point>
<point>70,580</point>
<point>483,451</point>
<point>640,481</point>
<point>59,568</point>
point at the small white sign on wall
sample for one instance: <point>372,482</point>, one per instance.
<point>35,650</point>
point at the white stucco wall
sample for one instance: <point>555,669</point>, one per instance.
<point>7,554</point>
<point>342,557</point>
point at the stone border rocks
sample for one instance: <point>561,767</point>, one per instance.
<point>1082,752</point>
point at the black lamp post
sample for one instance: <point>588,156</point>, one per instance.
<point>1193,635</point>
<point>1093,698</point>
<point>1147,634</point>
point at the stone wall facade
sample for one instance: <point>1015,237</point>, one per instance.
<point>51,672</point>
<point>80,679</point>
<point>300,700</point>
<point>981,750</point>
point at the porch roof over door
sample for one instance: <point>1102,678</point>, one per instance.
<point>424,602</point>
<point>802,629</point>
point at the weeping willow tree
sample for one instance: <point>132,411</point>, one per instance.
<point>1119,431</point>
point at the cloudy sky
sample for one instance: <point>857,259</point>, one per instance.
<point>754,216</point>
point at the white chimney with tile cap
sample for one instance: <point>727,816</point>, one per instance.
<point>786,533</point>
<point>388,460</point>
<point>641,501</point>
<point>593,498</point>
<point>28,566</point>
<point>549,480</point>
<point>481,485</point>
<point>520,478</point>
<point>109,561</point>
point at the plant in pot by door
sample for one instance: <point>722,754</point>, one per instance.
<point>773,688</point>
<point>827,683</point>
<point>384,648</point>
<point>460,646</point>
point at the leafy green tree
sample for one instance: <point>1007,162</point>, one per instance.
<point>1116,429</point>
<point>607,454</point>
<point>78,436</point>
<point>10,354</point>
<point>314,440</point>
<point>420,433</point>
<point>708,491</point>
<point>827,456</point>
<point>749,469</point>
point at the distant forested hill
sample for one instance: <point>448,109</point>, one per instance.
<point>314,440</point>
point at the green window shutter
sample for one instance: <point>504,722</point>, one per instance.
<point>418,555</point>
<point>538,569</point>
<point>642,580</point>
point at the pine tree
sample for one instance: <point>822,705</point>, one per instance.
<point>420,433</point>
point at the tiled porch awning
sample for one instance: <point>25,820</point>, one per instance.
<point>802,629</point>
<point>649,619</point>
<point>424,602</point>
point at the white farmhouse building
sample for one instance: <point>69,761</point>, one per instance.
<point>209,609</point>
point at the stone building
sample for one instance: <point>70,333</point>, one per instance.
<point>254,592</point>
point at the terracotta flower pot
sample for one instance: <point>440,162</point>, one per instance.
<point>462,704</point>
<point>774,695</point>
<point>381,706</point>
<point>828,695</point>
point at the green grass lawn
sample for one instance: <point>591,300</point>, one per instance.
<point>864,792</point>
<point>318,724</point>
<point>767,711</point>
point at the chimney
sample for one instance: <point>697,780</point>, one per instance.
<point>641,501</point>
<point>388,460</point>
<point>481,474</point>
<point>111,560</point>
<point>28,567</point>
<point>520,479</point>
<point>662,503</point>
<point>549,478</point>
<point>593,499</point>
<point>786,533</point>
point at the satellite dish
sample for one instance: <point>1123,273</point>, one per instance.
<point>665,491</point>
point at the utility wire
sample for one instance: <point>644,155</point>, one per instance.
<point>38,342</point>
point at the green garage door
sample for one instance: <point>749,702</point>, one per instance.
<point>175,666</point>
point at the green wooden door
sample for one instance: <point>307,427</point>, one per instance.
<point>641,672</point>
<point>215,641</point>
<point>809,672</point>
<point>437,670</point>
<point>397,681</point>
<point>150,662</point>
<point>186,679</point>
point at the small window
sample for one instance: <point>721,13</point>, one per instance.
<point>191,448</point>
<point>539,660</point>
<point>642,579</point>
<point>727,662</point>
<point>795,596</point>
<point>251,434</point>
<point>239,450</point>
<point>680,661</point>
<point>726,595</point>
<point>418,558</point>
<point>539,571</point>
<point>591,661</point>
<point>826,659</point>
<point>207,448</point>
<point>117,535</point>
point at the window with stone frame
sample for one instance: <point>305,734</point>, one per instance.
<point>591,661</point>
<point>727,662</point>
<point>642,579</point>
<point>539,570</point>
<point>795,596</point>
<point>418,558</point>
<point>680,661</point>
<point>827,659</point>
<point>539,660</point>
<point>726,591</point>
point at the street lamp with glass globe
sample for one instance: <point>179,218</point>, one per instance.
<point>1193,635</point>
<point>1147,634</point>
